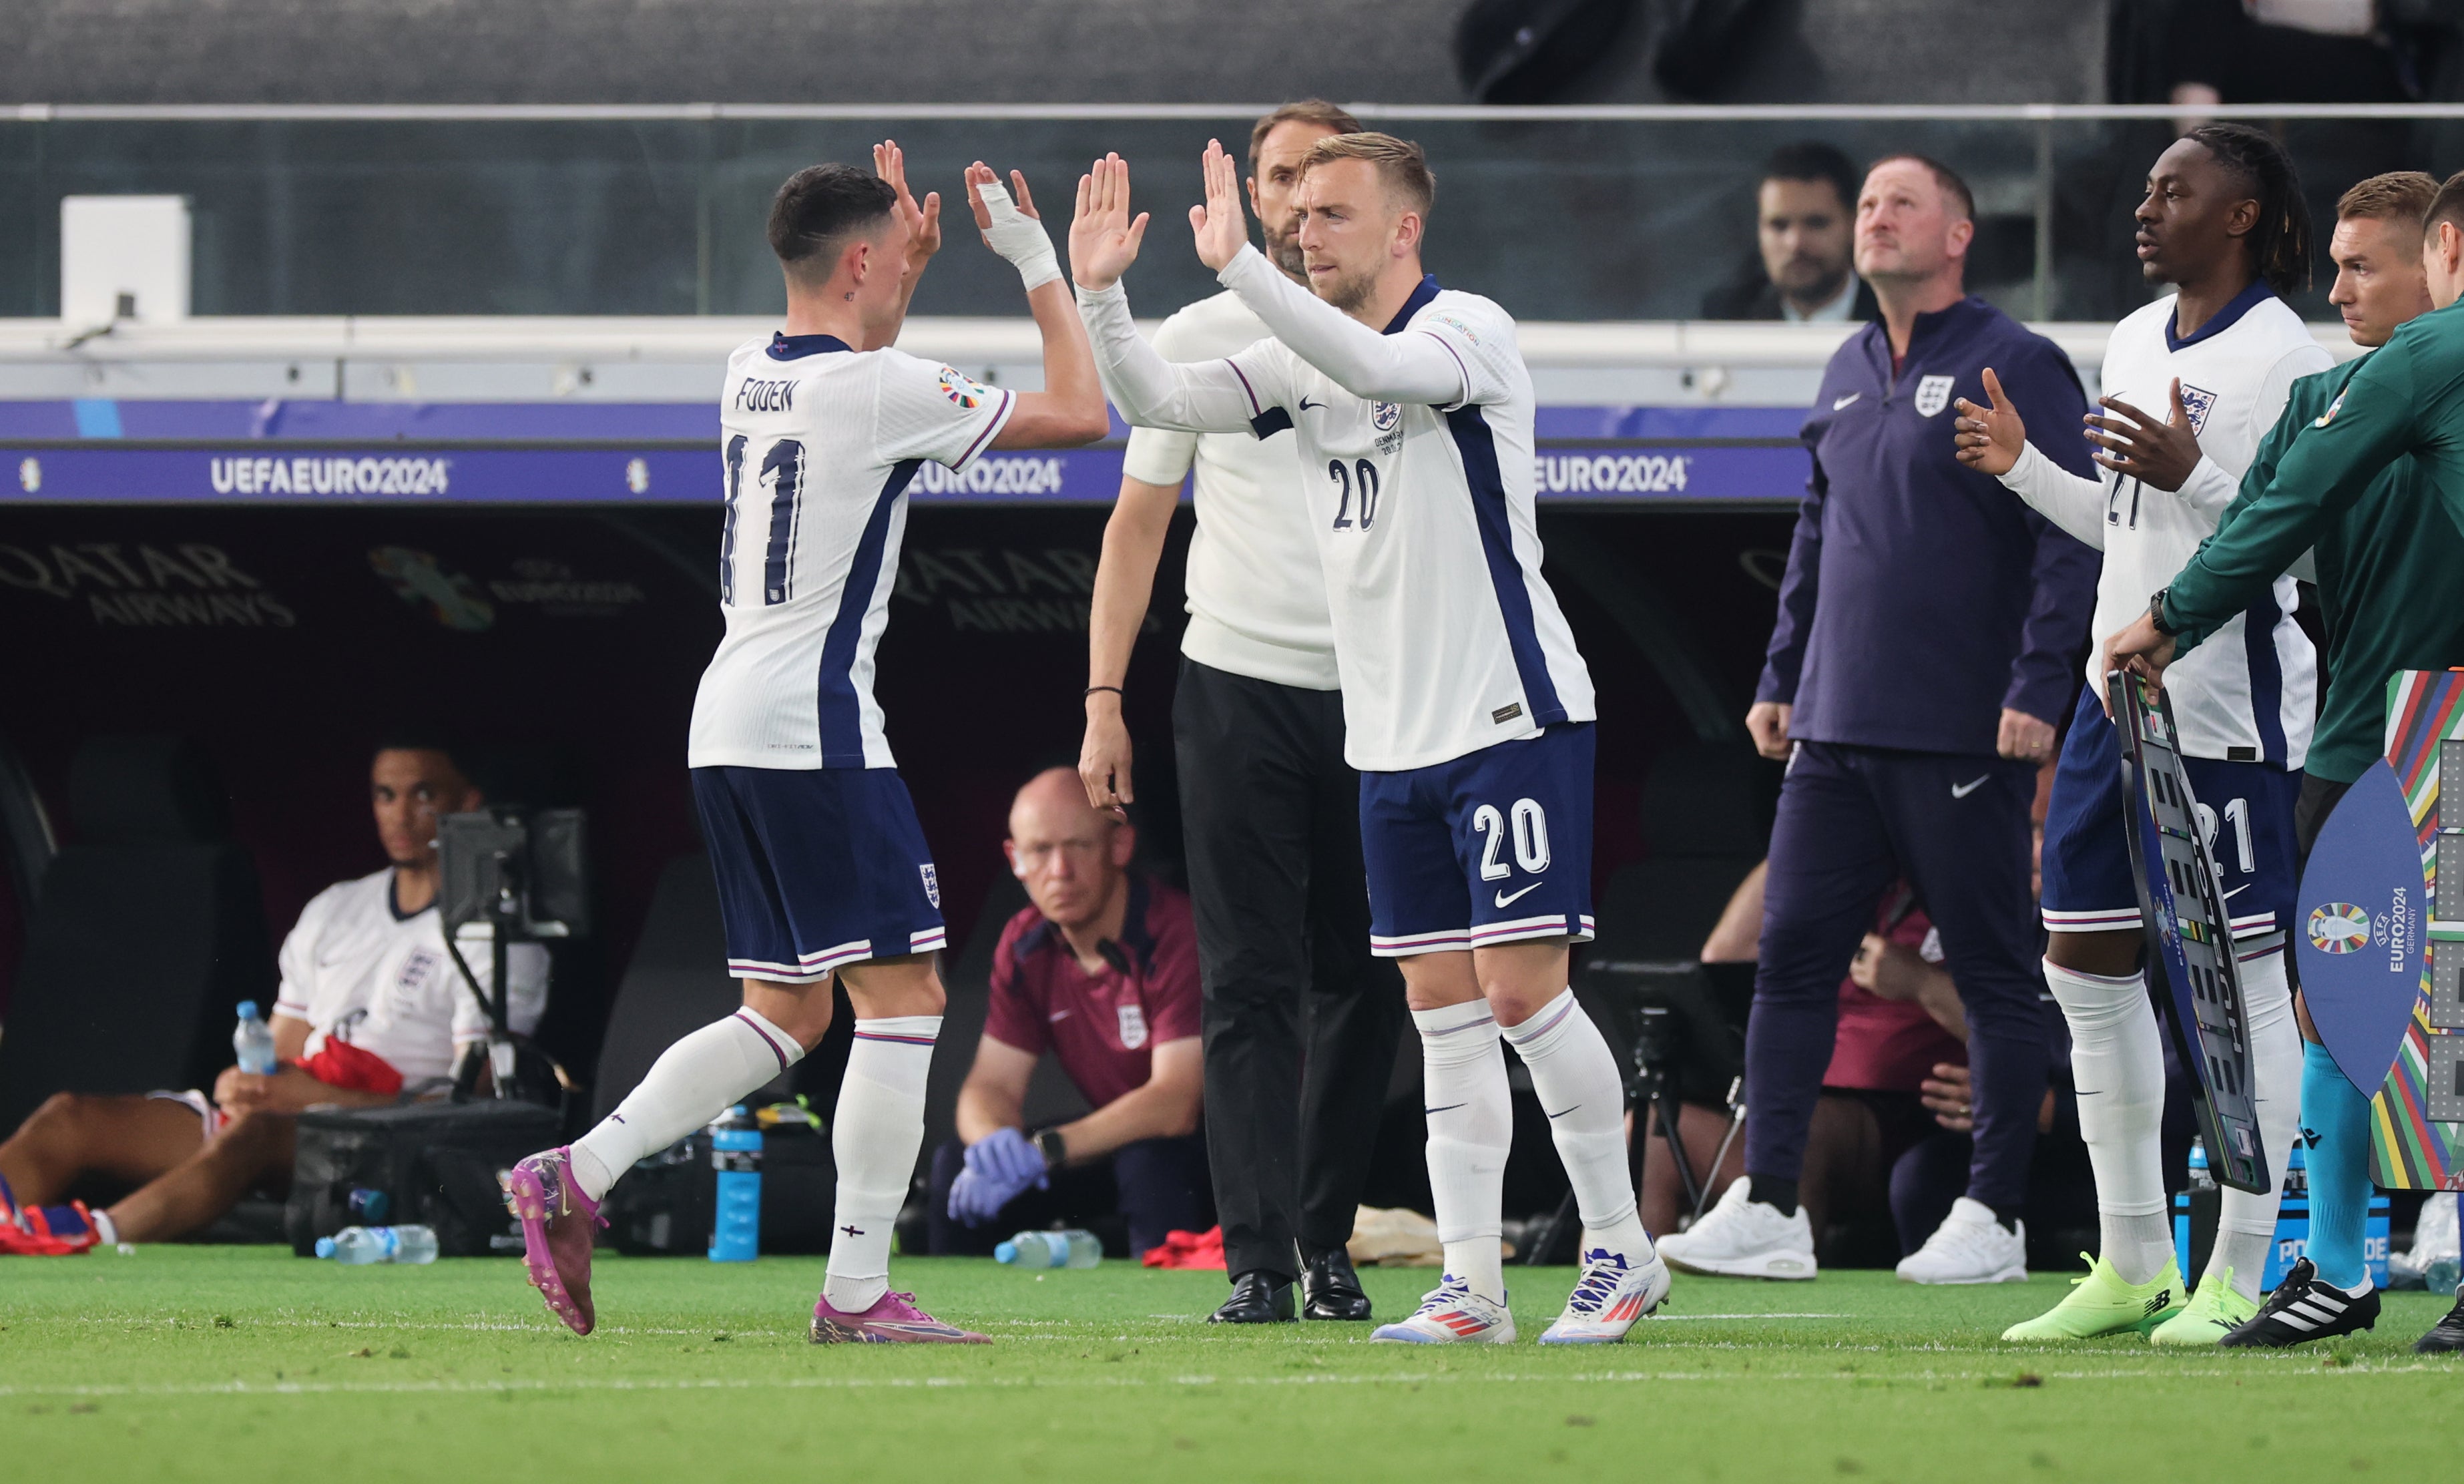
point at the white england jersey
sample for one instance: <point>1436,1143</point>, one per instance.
<point>360,972</point>
<point>1450,639</point>
<point>2246,694</point>
<point>1256,601</point>
<point>818,444</point>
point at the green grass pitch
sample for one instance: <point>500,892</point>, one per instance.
<point>180,1364</point>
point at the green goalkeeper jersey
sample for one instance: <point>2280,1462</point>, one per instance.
<point>2365,467</point>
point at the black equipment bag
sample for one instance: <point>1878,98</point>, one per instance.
<point>665,1204</point>
<point>438,1164</point>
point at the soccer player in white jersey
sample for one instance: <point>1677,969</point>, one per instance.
<point>823,871</point>
<point>2223,222</point>
<point>1300,1019</point>
<point>1466,707</point>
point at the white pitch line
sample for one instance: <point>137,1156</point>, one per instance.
<point>287,1388</point>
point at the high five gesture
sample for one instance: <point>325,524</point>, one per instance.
<point>1222,230</point>
<point>1103,238</point>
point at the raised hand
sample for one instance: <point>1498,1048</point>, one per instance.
<point>923,222</point>
<point>1223,231</point>
<point>2157,451</point>
<point>1103,237</point>
<point>981,175</point>
<point>1988,439</point>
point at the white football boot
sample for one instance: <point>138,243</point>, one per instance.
<point>1608,1299</point>
<point>1452,1313</point>
<point>1744,1238</point>
<point>1969,1247</point>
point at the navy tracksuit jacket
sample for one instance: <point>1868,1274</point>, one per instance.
<point>1921,599</point>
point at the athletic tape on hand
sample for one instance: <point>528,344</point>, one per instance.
<point>1019,237</point>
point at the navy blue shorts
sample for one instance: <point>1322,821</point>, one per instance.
<point>2246,807</point>
<point>1489,848</point>
<point>817,868</point>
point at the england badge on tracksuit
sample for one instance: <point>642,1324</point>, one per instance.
<point>1933,394</point>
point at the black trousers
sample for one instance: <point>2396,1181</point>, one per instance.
<point>1301,1021</point>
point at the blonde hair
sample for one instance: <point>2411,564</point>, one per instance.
<point>2399,196</point>
<point>1399,163</point>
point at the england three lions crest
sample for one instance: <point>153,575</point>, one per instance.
<point>2198,402</point>
<point>1933,394</point>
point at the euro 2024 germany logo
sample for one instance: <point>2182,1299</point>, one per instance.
<point>2339,927</point>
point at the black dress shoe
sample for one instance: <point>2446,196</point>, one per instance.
<point>1257,1298</point>
<point>1332,1289</point>
<point>2447,1334</point>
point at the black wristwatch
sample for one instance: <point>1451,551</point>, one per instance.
<point>1048,1143</point>
<point>2156,613</point>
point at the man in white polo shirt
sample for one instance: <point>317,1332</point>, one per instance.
<point>1269,810</point>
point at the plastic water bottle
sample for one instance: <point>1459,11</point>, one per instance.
<point>355,1246</point>
<point>1071,1249</point>
<point>253,1041</point>
<point>367,1207</point>
<point>736,1154</point>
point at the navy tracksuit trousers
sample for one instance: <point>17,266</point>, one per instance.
<point>1850,821</point>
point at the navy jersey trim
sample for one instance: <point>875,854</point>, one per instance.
<point>841,711</point>
<point>2240,305</point>
<point>783,346</point>
<point>1421,293</point>
<point>2266,678</point>
<point>1478,446</point>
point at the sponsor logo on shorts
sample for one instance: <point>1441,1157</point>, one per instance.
<point>1933,394</point>
<point>931,884</point>
<point>2339,927</point>
<point>1504,714</point>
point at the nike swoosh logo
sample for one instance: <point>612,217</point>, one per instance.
<point>1504,900</point>
<point>2237,890</point>
<point>1058,1015</point>
<point>1963,790</point>
<point>1844,401</point>
<point>1562,1112</point>
<point>1306,405</point>
<point>1448,1108</point>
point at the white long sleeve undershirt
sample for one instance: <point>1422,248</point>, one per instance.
<point>1414,369</point>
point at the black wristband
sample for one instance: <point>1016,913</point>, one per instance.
<point>1048,1143</point>
<point>1092,689</point>
<point>2156,614</point>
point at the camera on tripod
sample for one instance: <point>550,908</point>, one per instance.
<point>509,874</point>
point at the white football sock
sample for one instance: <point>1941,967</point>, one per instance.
<point>1575,1077</point>
<point>692,1083</point>
<point>2117,1065</point>
<point>876,1135</point>
<point>1471,1126</point>
<point>2246,1222</point>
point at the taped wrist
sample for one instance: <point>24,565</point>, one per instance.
<point>1019,237</point>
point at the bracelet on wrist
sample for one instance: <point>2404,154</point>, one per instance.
<point>1092,689</point>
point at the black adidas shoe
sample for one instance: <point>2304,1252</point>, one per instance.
<point>2303,1308</point>
<point>2447,1334</point>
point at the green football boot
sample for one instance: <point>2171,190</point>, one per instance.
<point>2101,1304</point>
<point>2217,1310</point>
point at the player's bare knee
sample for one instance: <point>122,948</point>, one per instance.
<point>2110,955</point>
<point>801,1010</point>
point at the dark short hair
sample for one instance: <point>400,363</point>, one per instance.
<point>1308,110</point>
<point>2280,244</point>
<point>2399,196</point>
<point>819,208</point>
<point>2448,205</point>
<point>1811,159</point>
<point>1944,176</point>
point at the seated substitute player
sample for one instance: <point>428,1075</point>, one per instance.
<point>369,1001</point>
<point>2387,559</point>
<point>1103,972</point>
<point>821,868</point>
<point>2224,223</point>
<point>1466,706</point>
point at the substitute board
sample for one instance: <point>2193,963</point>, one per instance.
<point>2190,934</point>
<point>2417,1114</point>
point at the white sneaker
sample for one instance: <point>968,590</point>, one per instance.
<point>1969,1247</point>
<point>1744,1238</point>
<point>1608,1299</point>
<point>1452,1313</point>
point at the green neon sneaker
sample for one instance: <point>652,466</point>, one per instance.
<point>2217,1310</point>
<point>2101,1304</point>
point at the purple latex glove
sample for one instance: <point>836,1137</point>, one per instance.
<point>1001,1166</point>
